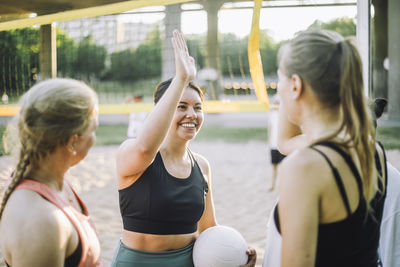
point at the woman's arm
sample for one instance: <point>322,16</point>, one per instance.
<point>134,156</point>
<point>299,197</point>
<point>208,219</point>
<point>290,136</point>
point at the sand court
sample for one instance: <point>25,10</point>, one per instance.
<point>241,175</point>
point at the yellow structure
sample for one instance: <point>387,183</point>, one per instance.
<point>209,107</point>
<point>256,69</point>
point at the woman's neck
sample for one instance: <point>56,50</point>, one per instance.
<point>320,124</point>
<point>174,148</point>
<point>48,178</point>
<point>50,172</point>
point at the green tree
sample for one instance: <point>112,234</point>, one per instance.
<point>66,54</point>
<point>197,49</point>
<point>140,63</point>
<point>345,26</point>
<point>147,57</point>
<point>268,51</point>
<point>233,55</point>
<point>19,57</point>
<point>122,64</point>
<point>90,60</point>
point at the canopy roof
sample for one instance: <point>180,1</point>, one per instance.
<point>45,7</point>
<point>17,14</point>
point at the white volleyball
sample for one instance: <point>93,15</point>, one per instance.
<point>220,246</point>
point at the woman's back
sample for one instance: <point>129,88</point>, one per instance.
<point>347,233</point>
<point>352,241</point>
<point>322,98</point>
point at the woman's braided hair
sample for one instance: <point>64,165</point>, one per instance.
<point>50,113</point>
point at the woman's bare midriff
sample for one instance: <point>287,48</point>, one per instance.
<point>149,242</point>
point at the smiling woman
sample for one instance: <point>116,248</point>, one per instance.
<point>164,188</point>
<point>160,178</point>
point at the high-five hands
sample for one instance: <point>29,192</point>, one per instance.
<point>184,63</point>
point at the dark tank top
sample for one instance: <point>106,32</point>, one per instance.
<point>353,241</point>
<point>86,254</point>
<point>159,203</point>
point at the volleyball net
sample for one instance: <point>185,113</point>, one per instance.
<point>123,55</point>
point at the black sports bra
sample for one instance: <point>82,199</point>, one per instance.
<point>159,203</point>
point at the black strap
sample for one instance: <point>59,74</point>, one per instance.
<point>349,162</point>
<point>338,180</point>
<point>204,181</point>
<point>276,219</point>
<point>191,157</point>
<point>379,167</point>
<point>378,163</point>
<point>384,159</point>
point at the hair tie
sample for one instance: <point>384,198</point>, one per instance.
<point>342,42</point>
<point>339,45</point>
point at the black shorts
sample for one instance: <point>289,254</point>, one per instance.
<point>276,156</point>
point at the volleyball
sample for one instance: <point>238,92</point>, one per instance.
<point>220,246</point>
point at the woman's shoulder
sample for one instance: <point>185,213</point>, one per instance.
<point>29,215</point>
<point>126,145</point>
<point>302,159</point>
<point>33,228</point>
<point>304,166</point>
<point>200,158</point>
<point>202,161</point>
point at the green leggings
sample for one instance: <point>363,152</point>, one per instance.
<point>128,257</point>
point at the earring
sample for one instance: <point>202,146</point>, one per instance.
<point>73,151</point>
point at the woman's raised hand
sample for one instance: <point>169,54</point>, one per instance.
<point>184,63</point>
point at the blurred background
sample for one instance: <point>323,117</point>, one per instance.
<point>123,56</point>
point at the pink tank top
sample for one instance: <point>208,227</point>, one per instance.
<point>81,222</point>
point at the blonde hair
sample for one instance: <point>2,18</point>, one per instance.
<point>332,66</point>
<point>50,113</point>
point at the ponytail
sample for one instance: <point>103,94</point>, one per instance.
<point>357,121</point>
<point>332,66</point>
